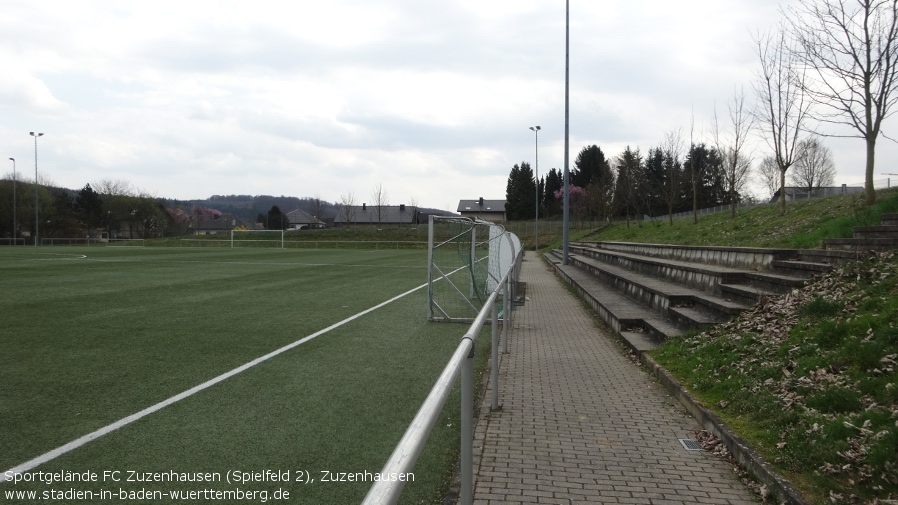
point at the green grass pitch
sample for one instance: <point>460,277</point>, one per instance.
<point>91,335</point>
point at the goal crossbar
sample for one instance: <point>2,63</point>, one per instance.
<point>277,233</point>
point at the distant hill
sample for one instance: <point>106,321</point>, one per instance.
<point>250,206</point>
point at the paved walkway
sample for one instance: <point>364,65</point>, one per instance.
<point>582,423</point>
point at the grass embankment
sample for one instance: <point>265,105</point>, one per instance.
<point>810,380</point>
<point>804,226</point>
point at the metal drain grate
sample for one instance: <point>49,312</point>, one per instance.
<point>690,444</point>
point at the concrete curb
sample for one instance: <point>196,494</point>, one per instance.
<point>778,486</point>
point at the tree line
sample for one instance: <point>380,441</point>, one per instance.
<point>116,209</point>
<point>630,184</point>
<point>112,206</point>
<point>660,182</point>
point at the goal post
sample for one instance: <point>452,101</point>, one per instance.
<point>467,259</point>
<point>257,238</point>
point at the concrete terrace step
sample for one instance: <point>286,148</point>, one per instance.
<point>650,292</point>
<point>697,317</point>
<point>862,244</point>
<point>882,231</point>
<point>801,269</point>
<point>690,273</point>
<point>744,293</point>
<point>747,258</point>
<point>828,257</point>
<point>641,327</point>
<point>659,294</point>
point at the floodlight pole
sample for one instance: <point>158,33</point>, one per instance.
<point>13,200</point>
<point>36,224</point>
<point>536,176</point>
<point>567,86</point>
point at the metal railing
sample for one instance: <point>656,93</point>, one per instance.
<point>406,453</point>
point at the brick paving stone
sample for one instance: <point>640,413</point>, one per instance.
<point>581,422</point>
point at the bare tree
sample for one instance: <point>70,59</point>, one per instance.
<point>673,148</point>
<point>768,174</point>
<point>413,205</point>
<point>317,207</point>
<point>380,201</point>
<point>113,187</point>
<point>347,208</point>
<point>692,170</point>
<point>736,162</point>
<point>851,49</point>
<point>815,167</point>
<point>783,105</point>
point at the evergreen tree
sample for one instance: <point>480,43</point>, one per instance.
<point>629,174</point>
<point>554,182</point>
<point>709,179</point>
<point>593,172</point>
<point>590,167</point>
<point>655,181</point>
<point>673,185</point>
<point>520,193</point>
<point>277,220</point>
<point>89,207</point>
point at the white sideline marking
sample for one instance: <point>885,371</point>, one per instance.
<point>65,257</point>
<point>74,444</point>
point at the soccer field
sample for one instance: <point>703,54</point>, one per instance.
<point>93,335</point>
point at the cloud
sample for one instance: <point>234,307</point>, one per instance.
<point>431,99</point>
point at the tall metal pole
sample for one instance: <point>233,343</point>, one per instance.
<point>36,225</point>
<point>13,200</point>
<point>567,131</point>
<point>536,174</point>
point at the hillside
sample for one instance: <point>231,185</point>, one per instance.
<point>804,226</point>
<point>810,380</point>
<point>248,207</point>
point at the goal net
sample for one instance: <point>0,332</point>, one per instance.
<point>467,259</point>
<point>257,238</point>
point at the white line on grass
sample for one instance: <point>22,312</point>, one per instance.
<point>74,444</point>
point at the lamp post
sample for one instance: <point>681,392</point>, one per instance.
<point>536,175</point>
<point>13,200</point>
<point>565,247</point>
<point>36,226</point>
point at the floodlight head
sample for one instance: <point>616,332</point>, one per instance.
<point>33,135</point>
<point>12,159</point>
<point>535,128</point>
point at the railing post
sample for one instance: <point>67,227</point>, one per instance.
<point>466,493</point>
<point>494,369</point>
<point>507,309</point>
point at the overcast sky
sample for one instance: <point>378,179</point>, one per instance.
<point>433,100</point>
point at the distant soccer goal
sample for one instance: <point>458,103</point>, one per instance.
<point>467,259</point>
<point>257,238</point>
<point>126,242</point>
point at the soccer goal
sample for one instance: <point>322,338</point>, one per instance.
<point>467,259</point>
<point>257,238</point>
